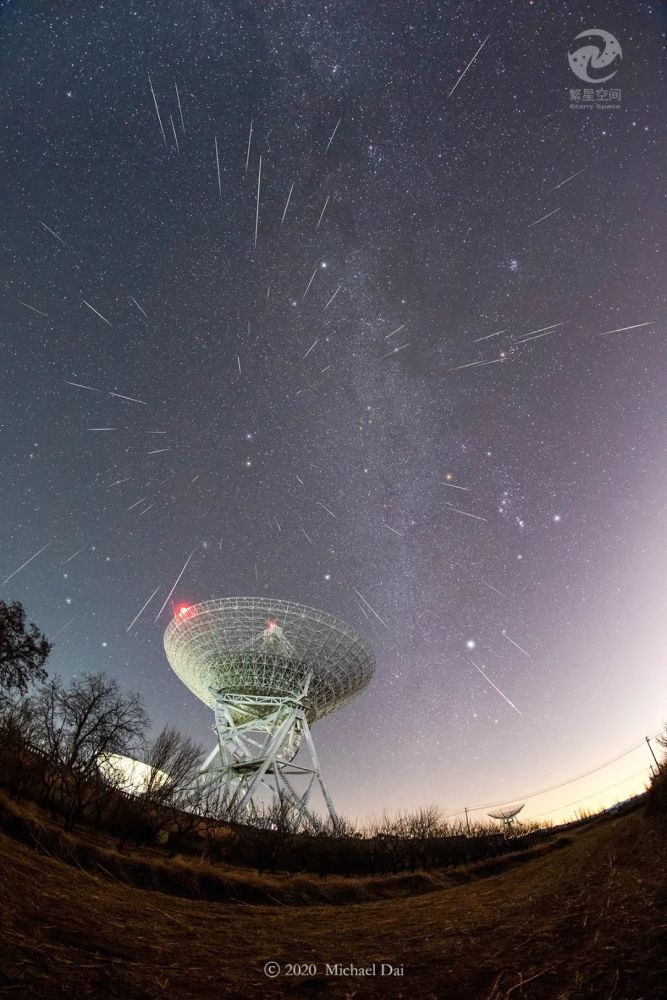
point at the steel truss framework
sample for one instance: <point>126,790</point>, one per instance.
<point>269,669</point>
<point>260,754</point>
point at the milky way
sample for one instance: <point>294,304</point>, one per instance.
<point>363,372</point>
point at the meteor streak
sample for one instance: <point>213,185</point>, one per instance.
<point>332,136</point>
<point>322,213</point>
<point>509,639</point>
<point>332,297</point>
<point>180,109</point>
<point>521,336</point>
<point>468,66</point>
<point>61,630</point>
<point>52,232</point>
<point>490,585</point>
<point>130,399</point>
<point>103,318</point>
<point>247,158</point>
<point>23,565</point>
<point>78,385</point>
<point>286,206</point>
<point>136,618</point>
<point>566,181</point>
<point>259,187</point>
<point>621,329</point>
<point>217,165</point>
<point>175,585</point>
<point>38,311</point>
<point>476,517</point>
<point>309,284</point>
<point>547,216</point>
<point>138,306</point>
<point>489,335</point>
<point>489,681</point>
<point>157,111</point>
<point>173,128</point>
<point>396,350</point>
<point>327,509</point>
<point>370,608</point>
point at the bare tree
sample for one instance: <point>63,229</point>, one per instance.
<point>17,737</point>
<point>171,794</point>
<point>272,828</point>
<point>80,725</point>
<point>421,828</point>
<point>218,819</point>
<point>23,651</point>
<point>656,802</point>
<point>174,762</point>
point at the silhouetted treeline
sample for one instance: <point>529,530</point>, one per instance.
<point>58,747</point>
<point>656,799</point>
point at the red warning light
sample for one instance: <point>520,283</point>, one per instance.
<point>183,611</point>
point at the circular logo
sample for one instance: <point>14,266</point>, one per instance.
<point>602,50</point>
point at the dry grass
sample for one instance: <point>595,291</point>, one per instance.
<point>587,920</point>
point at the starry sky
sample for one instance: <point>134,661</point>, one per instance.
<point>291,386</point>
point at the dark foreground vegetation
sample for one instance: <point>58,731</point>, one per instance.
<point>585,917</point>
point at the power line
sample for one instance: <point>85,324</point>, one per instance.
<point>553,788</point>
<point>593,794</point>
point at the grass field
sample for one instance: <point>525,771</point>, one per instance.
<point>583,916</point>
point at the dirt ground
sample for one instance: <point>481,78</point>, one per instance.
<point>586,920</point>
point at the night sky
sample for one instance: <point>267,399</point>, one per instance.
<point>304,414</point>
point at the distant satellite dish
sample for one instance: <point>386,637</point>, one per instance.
<point>508,815</point>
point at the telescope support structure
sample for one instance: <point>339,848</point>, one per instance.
<point>258,738</point>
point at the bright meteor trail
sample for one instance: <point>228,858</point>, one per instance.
<point>489,681</point>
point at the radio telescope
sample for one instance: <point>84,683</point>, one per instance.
<point>269,669</point>
<point>507,816</point>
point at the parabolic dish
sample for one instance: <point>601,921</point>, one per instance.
<point>508,813</point>
<point>268,648</point>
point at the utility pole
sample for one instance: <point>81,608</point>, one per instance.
<point>648,741</point>
<point>467,820</point>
